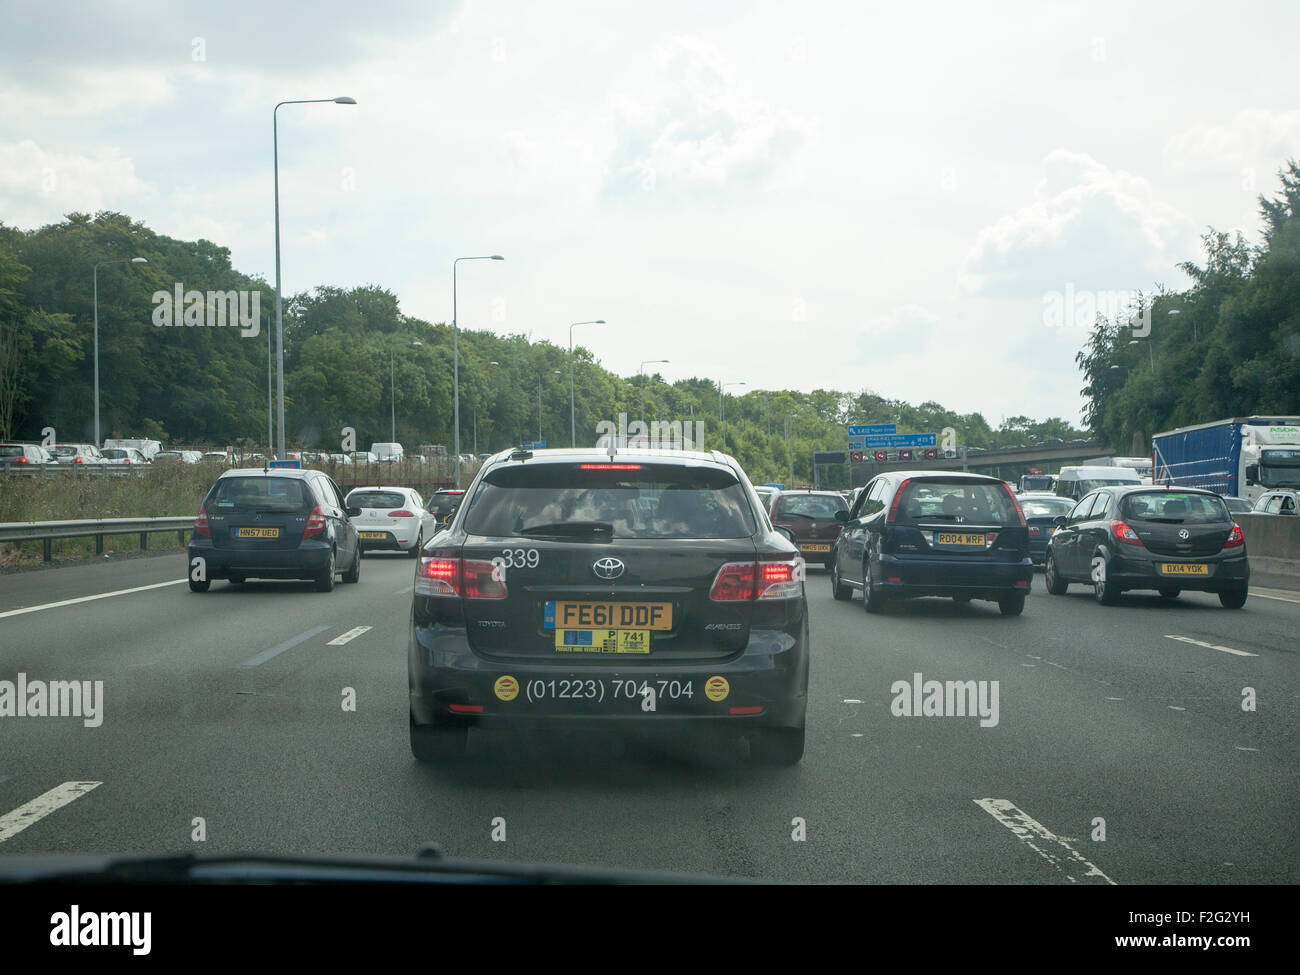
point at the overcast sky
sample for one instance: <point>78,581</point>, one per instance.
<point>791,195</point>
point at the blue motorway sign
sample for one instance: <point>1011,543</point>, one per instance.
<point>292,464</point>
<point>534,445</point>
<point>873,429</point>
<point>893,441</point>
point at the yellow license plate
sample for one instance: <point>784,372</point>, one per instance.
<point>953,538</point>
<point>257,533</point>
<point>613,616</point>
<point>602,641</point>
<point>373,534</point>
<point>815,547</point>
<point>1184,569</point>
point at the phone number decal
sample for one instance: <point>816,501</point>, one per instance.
<point>594,689</point>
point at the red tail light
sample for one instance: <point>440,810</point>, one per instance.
<point>78,461</point>
<point>609,467</point>
<point>21,460</point>
<point>893,505</point>
<point>1123,533</point>
<point>315,523</point>
<point>1235,537</point>
<point>403,513</point>
<point>747,581</point>
<point>201,523</point>
<point>470,578</point>
<point>1034,531</point>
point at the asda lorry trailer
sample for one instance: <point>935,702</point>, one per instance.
<point>1244,456</point>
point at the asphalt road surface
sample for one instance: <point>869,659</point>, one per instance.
<point>1151,742</point>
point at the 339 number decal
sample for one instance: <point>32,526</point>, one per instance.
<point>520,558</point>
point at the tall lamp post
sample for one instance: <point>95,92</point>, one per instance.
<point>722,410</point>
<point>455,350</point>
<point>643,365</point>
<point>392,384</point>
<point>573,415</point>
<point>95,276</point>
<point>279,321</point>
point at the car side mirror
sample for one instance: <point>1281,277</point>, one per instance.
<point>841,515</point>
<point>1252,473</point>
<point>1059,521</point>
<point>353,512</point>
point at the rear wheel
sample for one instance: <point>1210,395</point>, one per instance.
<point>1055,584</point>
<point>872,599</point>
<point>431,743</point>
<point>1170,592</point>
<point>236,579</point>
<point>1012,605</point>
<point>325,581</point>
<point>1234,598</point>
<point>838,589</point>
<point>777,746</point>
<point>419,544</point>
<point>1107,592</point>
<point>354,574</point>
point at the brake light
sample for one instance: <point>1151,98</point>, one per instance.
<point>1123,533</point>
<point>1034,531</point>
<point>609,467</point>
<point>21,460</point>
<point>734,581</point>
<point>1015,502</point>
<point>315,523</point>
<point>893,505</point>
<point>403,513</point>
<point>78,460</point>
<point>470,578</point>
<point>201,523</point>
<point>1235,537</point>
<point>126,460</point>
<point>780,580</point>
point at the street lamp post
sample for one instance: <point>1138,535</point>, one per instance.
<point>279,321</point>
<point>643,365</point>
<point>722,410</point>
<point>392,384</point>
<point>1150,349</point>
<point>455,350</point>
<point>573,415</point>
<point>95,277</point>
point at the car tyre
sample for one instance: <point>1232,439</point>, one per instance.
<point>419,544</point>
<point>354,573</point>
<point>1234,598</point>
<point>236,579</point>
<point>434,744</point>
<point>1012,605</point>
<point>873,601</point>
<point>200,586</point>
<point>1107,592</point>
<point>1169,592</point>
<point>839,591</point>
<point>777,747</point>
<point>1055,584</point>
<point>325,581</point>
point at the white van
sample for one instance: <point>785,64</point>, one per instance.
<point>387,453</point>
<point>1075,482</point>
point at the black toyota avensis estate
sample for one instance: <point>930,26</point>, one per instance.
<point>934,533</point>
<point>1167,539</point>
<point>639,591</point>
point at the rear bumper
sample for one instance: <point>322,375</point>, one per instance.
<point>306,561</point>
<point>769,680</point>
<point>1145,573</point>
<point>948,577</point>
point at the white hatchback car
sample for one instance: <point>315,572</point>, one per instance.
<point>392,519</point>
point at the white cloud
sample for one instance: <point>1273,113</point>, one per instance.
<point>1254,138</point>
<point>38,186</point>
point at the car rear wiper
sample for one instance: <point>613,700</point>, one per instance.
<point>568,529</point>
<point>800,514</point>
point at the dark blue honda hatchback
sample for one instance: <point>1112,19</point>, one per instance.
<point>934,533</point>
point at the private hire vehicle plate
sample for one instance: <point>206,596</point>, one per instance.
<point>602,641</point>
<point>257,533</point>
<point>958,538</point>
<point>815,547</point>
<point>373,534</point>
<point>1184,569</point>
<point>582,615</point>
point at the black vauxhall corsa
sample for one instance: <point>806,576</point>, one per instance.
<point>1163,538</point>
<point>632,591</point>
<point>934,533</point>
<point>275,524</point>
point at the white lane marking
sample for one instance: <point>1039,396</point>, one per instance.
<point>403,592</point>
<point>856,734</point>
<point>275,651</point>
<point>13,823</point>
<point>1212,646</point>
<point>86,599</point>
<point>851,700</point>
<point>1172,708</point>
<point>351,634</point>
<point>1280,599</point>
<point>1240,748</point>
<point>1041,840</point>
<point>1114,699</point>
